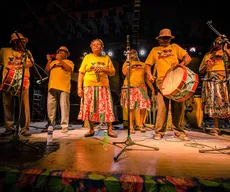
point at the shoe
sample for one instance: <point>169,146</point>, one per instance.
<point>90,133</point>
<point>8,132</point>
<point>215,131</point>
<point>158,136</point>
<point>142,129</point>
<point>112,134</point>
<point>64,131</point>
<point>183,137</point>
<point>44,130</point>
<point>26,133</point>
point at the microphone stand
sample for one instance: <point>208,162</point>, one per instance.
<point>224,40</point>
<point>128,141</point>
<point>15,139</point>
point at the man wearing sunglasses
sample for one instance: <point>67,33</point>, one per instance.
<point>164,57</point>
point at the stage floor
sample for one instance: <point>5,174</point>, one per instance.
<point>72,151</point>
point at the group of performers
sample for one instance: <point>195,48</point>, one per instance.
<point>94,90</point>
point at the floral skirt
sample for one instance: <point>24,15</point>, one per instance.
<point>97,105</point>
<point>139,98</point>
<point>215,96</point>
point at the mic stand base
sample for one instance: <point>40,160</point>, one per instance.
<point>216,149</point>
<point>17,142</point>
<point>129,142</point>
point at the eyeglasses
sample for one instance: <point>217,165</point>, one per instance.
<point>166,38</point>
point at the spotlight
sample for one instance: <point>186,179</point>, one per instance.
<point>85,53</point>
<point>110,53</point>
<point>142,52</point>
<point>192,49</point>
<point>103,53</point>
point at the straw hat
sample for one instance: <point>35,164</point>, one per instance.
<point>165,33</point>
<point>63,48</point>
<point>14,36</point>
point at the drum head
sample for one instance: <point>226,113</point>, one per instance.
<point>172,80</point>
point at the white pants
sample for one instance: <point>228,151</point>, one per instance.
<point>63,98</point>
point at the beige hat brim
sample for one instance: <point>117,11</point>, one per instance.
<point>63,50</point>
<point>172,37</point>
<point>20,38</point>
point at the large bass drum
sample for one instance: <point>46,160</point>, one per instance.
<point>179,83</point>
<point>12,82</point>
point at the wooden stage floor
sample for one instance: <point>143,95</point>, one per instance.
<point>176,158</point>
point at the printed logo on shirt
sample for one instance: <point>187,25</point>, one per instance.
<point>165,53</point>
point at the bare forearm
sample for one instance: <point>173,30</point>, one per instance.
<point>186,60</point>
<point>65,66</point>
<point>148,70</point>
<point>80,80</point>
<point>47,68</point>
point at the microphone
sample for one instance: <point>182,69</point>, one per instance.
<point>97,75</point>
<point>41,80</point>
<point>127,41</point>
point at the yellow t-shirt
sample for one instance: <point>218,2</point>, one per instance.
<point>218,63</point>
<point>137,73</point>
<point>10,57</point>
<point>164,58</point>
<point>90,76</point>
<point>59,78</point>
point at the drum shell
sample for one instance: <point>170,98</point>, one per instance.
<point>184,89</point>
<point>195,116</point>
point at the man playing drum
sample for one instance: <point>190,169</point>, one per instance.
<point>13,59</point>
<point>165,57</point>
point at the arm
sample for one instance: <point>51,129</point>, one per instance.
<point>205,63</point>
<point>108,69</point>
<point>49,60</point>
<point>186,60</point>
<point>125,68</point>
<point>150,85</point>
<point>149,73</point>
<point>80,84</point>
<point>63,64</point>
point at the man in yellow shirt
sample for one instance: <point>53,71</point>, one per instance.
<point>59,87</point>
<point>164,57</point>
<point>14,58</point>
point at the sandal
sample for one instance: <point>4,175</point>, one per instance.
<point>132,131</point>
<point>142,129</point>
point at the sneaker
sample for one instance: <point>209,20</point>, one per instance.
<point>157,136</point>
<point>64,130</point>
<point>183,137</point>
<point>8,132</point>
<point>25,133</point>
